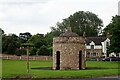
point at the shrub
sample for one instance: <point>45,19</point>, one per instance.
<point>20,52</point>
<point>33,51</point>
<point>50,50</point>
<point>43,50</point>
<point>11,48</point>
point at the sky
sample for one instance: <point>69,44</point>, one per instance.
<point>37,16</point>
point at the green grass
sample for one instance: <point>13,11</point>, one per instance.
<point>102,65</point>
<point>13,68</point>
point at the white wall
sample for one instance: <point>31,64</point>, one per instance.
<point>95,47</point>
<point>104,49</point>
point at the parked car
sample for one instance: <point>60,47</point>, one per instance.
<point>111,59</point>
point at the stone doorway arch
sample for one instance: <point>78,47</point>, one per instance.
<point>80,59</point>
<point>58,60</point>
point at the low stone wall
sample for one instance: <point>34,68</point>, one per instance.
<point>24,57</point>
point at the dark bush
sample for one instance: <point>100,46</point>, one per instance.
<point>43,51</point>
<point>50,50</point>
<point>33,51</point>
<point>20,52</point>
<point>11,48</point>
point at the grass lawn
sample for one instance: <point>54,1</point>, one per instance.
<point>13,68</point>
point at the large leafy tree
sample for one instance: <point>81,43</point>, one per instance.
<point>49,38</point>
<point>80,22</point>
<point>38,40</point>
<point>114,29</point>
<point>41,46</point>
<point>10,43</point>
<point>24,37</point>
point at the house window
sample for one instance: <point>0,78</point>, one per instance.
<point>94,54</point>
<point>117,55</point>
<point>107,44</point>
<point>92,47</point>
<point>102,53</point>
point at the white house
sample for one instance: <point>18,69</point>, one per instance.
<point>96,47</point>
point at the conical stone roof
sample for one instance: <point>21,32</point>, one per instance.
<point>69,33</point>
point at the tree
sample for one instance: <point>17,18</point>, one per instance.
<point>80,22</point>
<point>38,40</point>
<point>10,43</point>
<point>114,29</point>
<point>20,52</point>
<point>33,51</point>
<point>49,38</point>
<point>1,31</point>
<point>43,50</point>
<point>50,50</point>
<point>24,37</point>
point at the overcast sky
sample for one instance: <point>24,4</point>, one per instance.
<point>37,16</point>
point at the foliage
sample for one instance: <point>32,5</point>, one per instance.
<point>50,50</point>
<point>27,45</point>
<point>38,40</point>
<point>10,43</point>
<point>8,71</point>
<point>11,48</point>
<point>20,52</point>
<point>33,51</point>
<point>1,31</point>
<point>43,50</point>
<point>49,38</point>
<point>114,29</point>
<point>80,22</point>
<point>24,37</point>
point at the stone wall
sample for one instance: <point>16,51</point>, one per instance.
<point>68,40</point>
<point>24,57</point>
<point>69,52</point>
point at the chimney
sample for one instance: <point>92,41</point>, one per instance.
<point>108,35</point>
<point>69,29</point>
<point>84,34</point>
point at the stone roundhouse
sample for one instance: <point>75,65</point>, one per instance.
<point>68,51</point>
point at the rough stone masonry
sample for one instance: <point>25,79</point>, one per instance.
<point>68,51</point>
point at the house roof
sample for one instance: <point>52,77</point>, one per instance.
<point>96,40</point>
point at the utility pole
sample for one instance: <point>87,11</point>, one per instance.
<point>119,8</point>
<point>27,47</point>
<point>85,46</point>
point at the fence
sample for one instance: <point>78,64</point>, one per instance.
<point>24,57</point>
